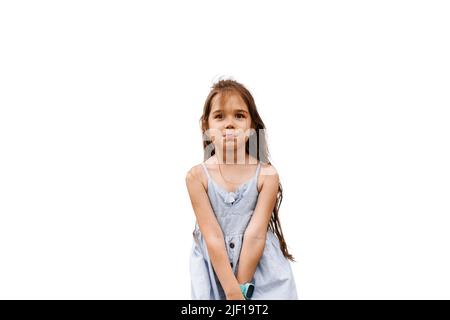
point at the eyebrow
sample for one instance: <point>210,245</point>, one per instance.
<point>237,110</point>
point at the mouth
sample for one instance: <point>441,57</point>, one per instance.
<point>229,136</point>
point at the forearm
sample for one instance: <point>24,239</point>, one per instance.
<point>251,252</point>
<point>219,259</point>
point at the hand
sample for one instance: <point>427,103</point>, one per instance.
<point>237,295</point>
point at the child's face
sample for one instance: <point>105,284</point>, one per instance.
<point>229,121</point>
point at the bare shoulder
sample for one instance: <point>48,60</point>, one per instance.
<point>197,174</point>
<point>268,176</point>
<point>268,170</point>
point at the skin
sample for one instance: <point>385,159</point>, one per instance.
<point>229,114</point>
<point>232,114</point>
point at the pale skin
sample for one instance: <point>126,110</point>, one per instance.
<point>236,167</point>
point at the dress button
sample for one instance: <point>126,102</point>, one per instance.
<point>231,245</point>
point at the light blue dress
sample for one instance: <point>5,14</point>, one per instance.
<point>273,277</point>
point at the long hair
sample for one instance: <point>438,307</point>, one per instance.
<point>259,150</point>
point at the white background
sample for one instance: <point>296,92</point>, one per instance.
<point>99,110</point>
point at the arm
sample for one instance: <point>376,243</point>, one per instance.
<point>212,233</point>
<point>256,231</point>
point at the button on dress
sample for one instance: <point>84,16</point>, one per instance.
<point>273,277</point>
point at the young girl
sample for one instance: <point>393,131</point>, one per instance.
<point>239,250</point>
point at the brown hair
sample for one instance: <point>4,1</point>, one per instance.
<point>262,151</point>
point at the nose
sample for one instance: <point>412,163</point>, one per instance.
<point>229,124</point>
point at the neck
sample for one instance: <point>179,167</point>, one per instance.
<point>233,157</point>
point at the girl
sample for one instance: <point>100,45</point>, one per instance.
<point>239,250</point>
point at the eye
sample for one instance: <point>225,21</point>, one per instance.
<point>241,115</point>
<point>217,116</point>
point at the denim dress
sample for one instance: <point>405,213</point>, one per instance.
<point>273,278</point>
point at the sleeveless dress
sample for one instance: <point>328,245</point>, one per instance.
<point>273,278</point>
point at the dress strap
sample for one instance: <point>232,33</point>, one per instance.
<point>206,170</point>
<point>258,169</point>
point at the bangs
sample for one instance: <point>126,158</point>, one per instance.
<point>222,96</point>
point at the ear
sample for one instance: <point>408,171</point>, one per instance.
<point>206,136</point>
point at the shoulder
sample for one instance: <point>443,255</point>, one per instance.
<point>268,176</point>
<point>197,174</point>
<point>268,170</point>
